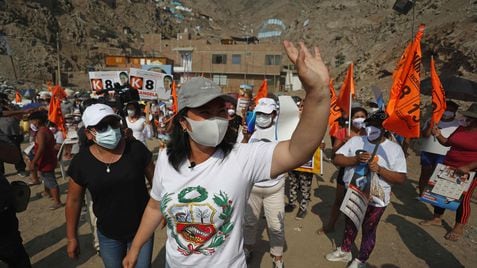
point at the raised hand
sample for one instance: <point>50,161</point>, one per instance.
<point>311,68</point>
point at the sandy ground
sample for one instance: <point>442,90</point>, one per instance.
<point>401,241</point>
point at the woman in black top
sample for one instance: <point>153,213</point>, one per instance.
<point>113,170</point>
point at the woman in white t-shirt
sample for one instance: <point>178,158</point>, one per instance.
<point>135,121</point>
<point>202,181</point>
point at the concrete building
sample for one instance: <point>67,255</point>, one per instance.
<point>230,63</point>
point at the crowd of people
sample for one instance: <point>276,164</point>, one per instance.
<point>215,172</point>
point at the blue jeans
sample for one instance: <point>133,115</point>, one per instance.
<point>113,252</point>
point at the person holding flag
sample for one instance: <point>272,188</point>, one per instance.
<point>390,168</point>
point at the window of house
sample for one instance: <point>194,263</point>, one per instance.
<point>273,59</point>
<point>220,79</point>
<point>236,58</point>
<point>219,59</point>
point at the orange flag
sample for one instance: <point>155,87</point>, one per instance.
<point>18,97</point>
<point>174,97</point>
<point>54,111</point>
<point>404,100</point>
<point>346,91</point>
<point>438,95</point>
<point>262,91</point>
<point>335,111</point>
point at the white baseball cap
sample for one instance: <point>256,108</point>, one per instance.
<point>95,113</point>
<point>197,92</point>
<point>266,106</point>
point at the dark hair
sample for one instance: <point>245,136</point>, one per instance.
<point>42,116</point>
<point>355,110</point>
<point>86,103</point>
<point>452,105</point>
<point>137,108</point>
<point>178,148</point>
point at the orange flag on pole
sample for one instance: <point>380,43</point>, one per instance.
<point>335,111</point>
<point>438,95</point>
<point>174,97</point>
<point>54,111</point>
<point>262,92</point>
<point>347,91</point>
<point>18,97</point>
<point>404,100</point>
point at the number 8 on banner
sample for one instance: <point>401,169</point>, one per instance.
<point>136,82</point>
<point>149,84</point>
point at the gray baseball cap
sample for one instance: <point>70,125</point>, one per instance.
<point>197,92</point>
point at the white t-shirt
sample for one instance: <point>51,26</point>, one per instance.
<point>431,144</point>
<point>270,135</point>
<point>390,155</point>
<point>204,205</point>
<point>137,128</point>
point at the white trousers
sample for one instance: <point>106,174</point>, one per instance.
<point>273,201</point>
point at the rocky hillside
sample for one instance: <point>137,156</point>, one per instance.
<point>367,32</point>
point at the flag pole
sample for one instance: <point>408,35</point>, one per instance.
<point>349,115</point>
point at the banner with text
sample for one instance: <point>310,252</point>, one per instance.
<point>106,79</point>
<point>151,85</point>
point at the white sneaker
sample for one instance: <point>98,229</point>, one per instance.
<point>357,264</point>
<point>339,255</point>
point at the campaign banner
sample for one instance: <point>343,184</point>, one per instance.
<point>151,85</point>
<point>106,79</point>
<point>446,187</point>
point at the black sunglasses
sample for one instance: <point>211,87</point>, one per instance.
<point>103,125</point>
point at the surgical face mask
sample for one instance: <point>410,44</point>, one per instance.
<point>464,121</point>
<point>209,132</point>
<point>131,113</point>
<point>358,123</point>
<point>33,127</point>
<point>373,133</point>
<point>231,112</point>
<point>448,115</point>
<point>108,139</point>
<point>264,120</point>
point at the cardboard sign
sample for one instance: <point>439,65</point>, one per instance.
<point>106,80</point>
<point>151,85</point>
<point>446,187</point>
<point>288,118</point>
<point>313,165</point>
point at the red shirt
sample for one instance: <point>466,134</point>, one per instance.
<point>47,162</point>
<point>463,148</point>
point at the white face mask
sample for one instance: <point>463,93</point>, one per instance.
<point>374,110</point>
<point>131,113</point>
<point>209,132</point>
<point>373,133</point>
<point>448,115</point>
<point>264,120</point>
<point>33,127</point>
<point>231,112</point>
<point>358,123</point>
<point>464,122</point>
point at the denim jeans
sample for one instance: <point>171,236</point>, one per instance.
<point>113,252</point>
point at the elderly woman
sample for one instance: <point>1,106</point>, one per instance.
<point>202,182</point>
<point>462,156</point>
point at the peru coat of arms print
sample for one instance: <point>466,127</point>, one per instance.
<point>198,225</point>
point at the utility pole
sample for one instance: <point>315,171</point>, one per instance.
<point>58,75</point>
